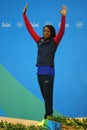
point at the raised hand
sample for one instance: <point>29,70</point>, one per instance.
<point>64,10</point>
<point>25,9</point>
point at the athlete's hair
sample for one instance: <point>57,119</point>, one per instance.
<point>52,29</point>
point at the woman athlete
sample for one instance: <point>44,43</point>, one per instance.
<point>47,46</point>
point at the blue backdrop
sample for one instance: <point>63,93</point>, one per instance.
<point>18,51</point>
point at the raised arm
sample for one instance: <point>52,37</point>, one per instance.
<point>29,26</point>
<point>60,33</point>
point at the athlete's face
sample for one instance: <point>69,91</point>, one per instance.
<point>47,32</point>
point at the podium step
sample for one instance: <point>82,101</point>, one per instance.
<point>21,121</point>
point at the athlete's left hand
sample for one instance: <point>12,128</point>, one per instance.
<point>64,10</point>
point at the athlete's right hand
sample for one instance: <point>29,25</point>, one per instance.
<point>25,9</point>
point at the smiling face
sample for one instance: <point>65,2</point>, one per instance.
<point>46,33</point>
